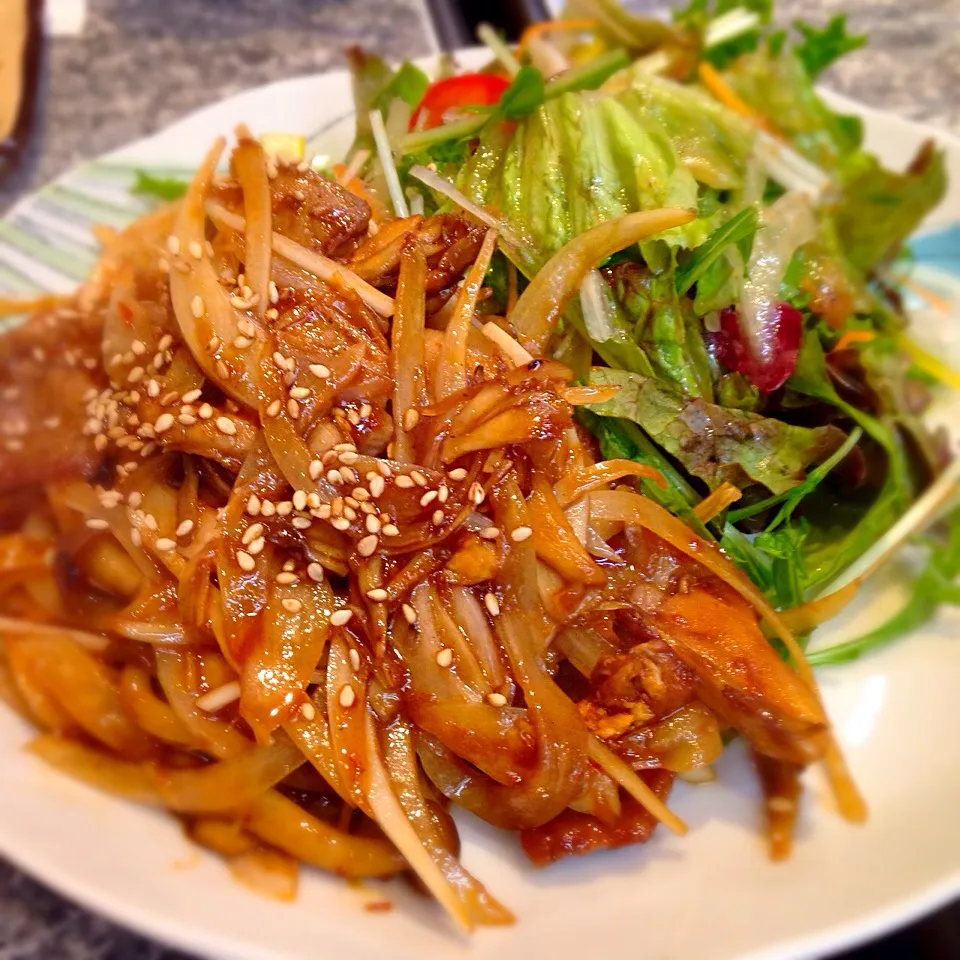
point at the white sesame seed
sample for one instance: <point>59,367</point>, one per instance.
<point>443,492</point>
<point>166,545</point>
<point>95,523</point>
<point>300,499</point>
<point>302,523</point>
<point>445,657</point>
<point>245,561</point>
<point>496,700</point>
<point>349,475</point>
<point>411,418</point>
<point>274,408</point>
<point>253,505</point>
<point>274,293</point>
<point>246,327</point>
<point>349,457</point>
<point>197,307</point>
<point>404,482</point>
<point>437,518</point>
<point>185,528</point>
<point>409,614</point>
<point>219,697</point>
<point>300,393</point>
<point>377,485</point>
<point>186,419</point>
<point>291,605</point>
<point>308,711</point>
<point>390,530</point>
<point>191,396</point>
<point>492,604</point>
<point>163,423</point>
<point>428,498</point>
<point>490,533</point>
<point>373,524</point>
<point>286,578</point>
<point>289,565</point>
<point>365,410</point>
<point>316,469</point>
<point>293,409</point>
<point>477,493</point>
<point>251,533</point>
<point>226,425</point>
<point>520,534</point>
<point>367,545</point>
<point>340,523</point>
<point>173,245</point>
<point>378,595</point>
<point>320,371</point>
<point>334,476</point>
<point>341,618</point>
<point>195,249</point>
<point>418,478</point>
<point>135,375</point>
<point>315,572</point>
<point>241,343</point>
<point>347,696</point>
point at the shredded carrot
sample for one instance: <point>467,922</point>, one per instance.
<point>723,92</point>
<point>717,502</point>
<point>941,304</point>
<point>574,24</point>
<point>930,364</point>
<point>853,336</point>
<point>45,301</point>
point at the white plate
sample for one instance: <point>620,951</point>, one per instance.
<point>712,895</point>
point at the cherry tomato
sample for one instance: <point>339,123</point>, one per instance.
<point>730,349</point>
<point>467,90</point>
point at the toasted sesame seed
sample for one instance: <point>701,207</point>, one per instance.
<point>490,533</point>
<point>185,528</point>
<point>226,425</point>
<point>274,408</point>
<point>251,533</point>
<point>377,485</point>
<point>300,393</point>
<point>477,493</point>
<point>273,291</point>
<point>245,561</point>
<point>135,375</point>
<point>253,505</point>
<point>289,565</point>
<point>267,508</point>
<point>302,523</point>
<point>390,530</point>
<point>418,478</point>
<point>367,545</point>
<point>241,343</point>
<point>377,594</point>
<point>404,482</point>
<point>411,418</point>
<point>492,604</point>
<point>291,605</point>
<point>316,469</point>
<point>365,410</point>
<point>347,696</point>
<point>445,657</point>
<point>300,499</point>
<point>256,547</point>
<point>349,475</point>
<point>165,545</point>
<point>222,370</point>
<point>280,360</point>
<point>496,700</point>
<point>272,314</point>
<point>197,307</point>
<point>195,249</point>
<point>284,508</point>
<point>520,534</point>
<point>361,493</point>
<point>315,572</point>
<point>437,518</point>
<point>163,423</point>
<point>313,500</point>
<point>340,618</point>
<point>293,409</point>
<point>186,419</point>
<point>373,524</point>
<point>320,371</point>
<point>191,396</point>
<point>340,523</point>
<point>428,498</point>
<point>95,523</point>
<point>205,412</point>
<point>348,457</point>
<point>308,711</point>
<point>349,512</point>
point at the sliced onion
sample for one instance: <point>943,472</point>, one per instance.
<point>540,305</point>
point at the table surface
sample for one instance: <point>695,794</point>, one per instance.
<point>141,64</point>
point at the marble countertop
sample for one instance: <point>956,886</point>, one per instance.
<point>141,64</point>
